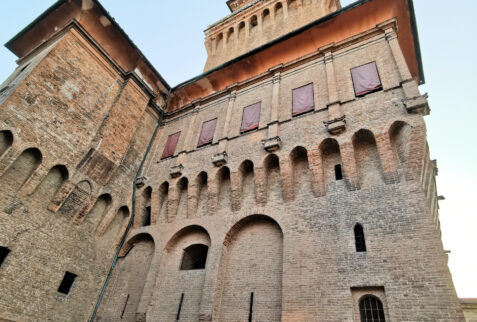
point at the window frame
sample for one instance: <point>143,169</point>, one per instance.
<point>380,309</point>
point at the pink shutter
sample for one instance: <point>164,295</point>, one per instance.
<point>251,117</point>
<point>365,79</point>
<point>303,100</point>
<point>171,145</point>
<point>207,133</point>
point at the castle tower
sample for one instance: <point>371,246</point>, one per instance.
<point>254,23</point>
<point>290,182</point>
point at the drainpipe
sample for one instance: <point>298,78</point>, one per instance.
<point>131,219</point>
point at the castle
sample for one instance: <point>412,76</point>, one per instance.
<point>291,181</point>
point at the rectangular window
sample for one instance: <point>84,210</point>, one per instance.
<point>171,145</point>
<point>3,254</point>
<point>251,117</point>
<point>207,133</point>
<point>67,283</point>
<point>366,79</point>
<point>303,100</point>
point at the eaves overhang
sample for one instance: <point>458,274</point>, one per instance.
<point>337,26</point>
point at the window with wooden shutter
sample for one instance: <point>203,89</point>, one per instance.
<point>366,79</point>
<point>171,145</point>
<point>251,117</point>
<point>207,132</point>
<point>303,100</point>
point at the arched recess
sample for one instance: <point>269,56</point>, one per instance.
<point>175,278</point>
<point>292,7</point>
<point>202,195</point>
<point>247,182</point>
<point>115,227</point>
<point>100,209</point>
<point>252,262</point>
<point>367,158</point>
<point>163,199</point>
<point>253,24</point>
<point>6,141</point>
<point>182,191</point>
<point>126,287</point>
<point>241,30</point>
<point>48,187</point>
<point>279,11</point>
<point>219,42</point>
<point>77,199</point>
<point>266,20</point>
<point>18,173</point>
<point>331,161</point>
<point>400,135</point>
<point>301,172</point>
<point>230,35</point>
<point>274,186</point>
<point>144,216</point>
<point>224,196</point>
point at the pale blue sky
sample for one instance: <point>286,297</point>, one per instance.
<point>170,34</point>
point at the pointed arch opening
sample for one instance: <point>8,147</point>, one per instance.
<point>241,30</point>
<point>99,210</point>
<point>266,18</point>
<point>278,11</point>
<point>230,34</point>
<point>116,226</point>
<point>146,212</point>
<point>400,135</point>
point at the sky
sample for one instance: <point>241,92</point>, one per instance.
<point>170,34</point>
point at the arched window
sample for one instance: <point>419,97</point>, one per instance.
<point>338,172</point>
<point>195,257</point>
<point>371,309</point>
<point>359,238</point>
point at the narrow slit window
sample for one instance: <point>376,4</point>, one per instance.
<point>195,257</point>
<point>3,254</point>
<point>366,79</point>
<point>359,238</point>
<point>67,283</point>
<point>251,117</point>
<point>207,133</point>
<point>171,145</point>
<point>338,172</point>
<point>303,100</point>
<point>147,216</point>
<point>371,309</point>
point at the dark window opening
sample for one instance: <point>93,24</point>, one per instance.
<point>250,312</point>
<point>359,238</point>
<point>147,216</point>
<point>195,257</point>
<point>371,309</point>
<point>178,317</point>
<point>67,283</point>
<point>3,254</point>
<point>338,172</point>
<point>254,22</point>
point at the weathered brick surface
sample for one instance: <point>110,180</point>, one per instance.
<point>278,224</point>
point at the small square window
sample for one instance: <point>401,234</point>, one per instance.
<point>3,254</point>
<point>303,100</point>
<point>171,145</point>
<point>67,283</point>
<point>366,79</point>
